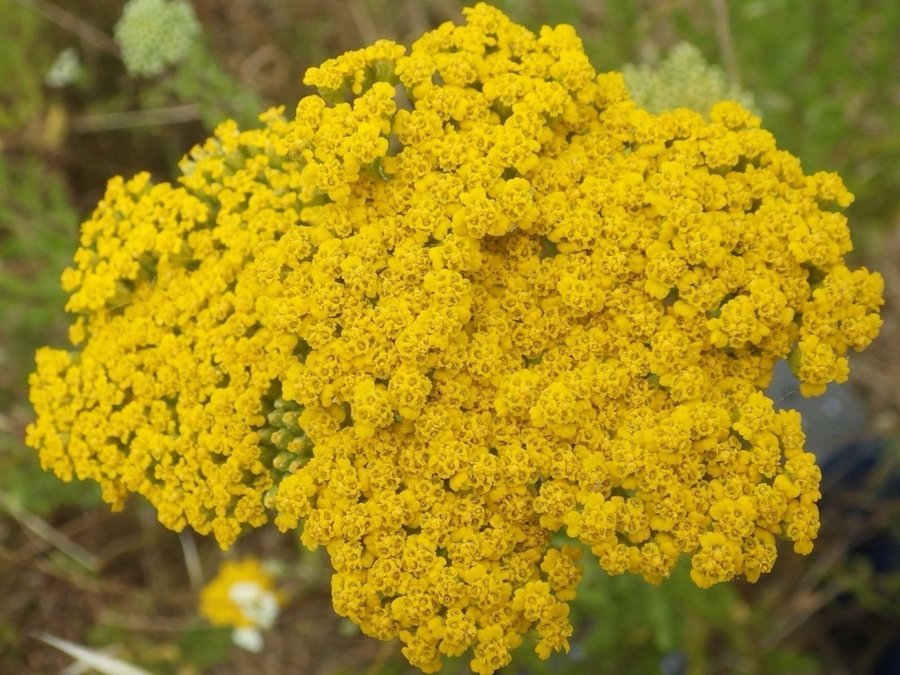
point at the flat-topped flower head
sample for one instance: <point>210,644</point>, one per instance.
<point>467,297</point>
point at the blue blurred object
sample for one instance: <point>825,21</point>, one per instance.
<point>830,421</point>
<point>836,424</point>
<point>853,467</point>
<point>673,663</point>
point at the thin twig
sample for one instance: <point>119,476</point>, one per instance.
<point>266,55</point>
<point>812,605</point>
<point>191,559</point>
<point>362,19</point>
<point>814,576</point>
<point>89,584</point>
<point>74,24</point>
<point>148,624</point>
<point>128,119</point>
<point>53,537</point>
<point>26,552</point>
<point>385,652</point>
<point>415,13</point>
<point>726,40</point>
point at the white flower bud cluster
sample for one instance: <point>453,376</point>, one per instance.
<point>155,34</point>
<point>682,80</point>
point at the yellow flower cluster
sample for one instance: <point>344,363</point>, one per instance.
<point>469,297</point>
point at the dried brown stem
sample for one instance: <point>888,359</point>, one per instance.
<point>726,40</point>
<point>74,24</point>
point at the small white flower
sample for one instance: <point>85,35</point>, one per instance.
<point>258,605</point>
<point>247,638</point>
<point>65,69</point>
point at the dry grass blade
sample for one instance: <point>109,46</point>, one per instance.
<point>53,537</point>
<point>72,23</point>
<point>128,119</point>
<point>103,663</point>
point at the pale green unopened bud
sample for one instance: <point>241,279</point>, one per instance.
<point>155,34</point>
<point>682,80</point>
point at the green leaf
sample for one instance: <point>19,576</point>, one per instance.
<point>205,647</point>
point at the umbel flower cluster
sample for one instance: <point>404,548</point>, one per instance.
<point>468,297</point>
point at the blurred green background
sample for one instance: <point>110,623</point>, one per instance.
<point>75,110</point>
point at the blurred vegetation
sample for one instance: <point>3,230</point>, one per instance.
<point>824,77</point>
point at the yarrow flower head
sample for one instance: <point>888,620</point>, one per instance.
<point>467,297</point>
<point>242,595</point>
<point>155,34</point>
